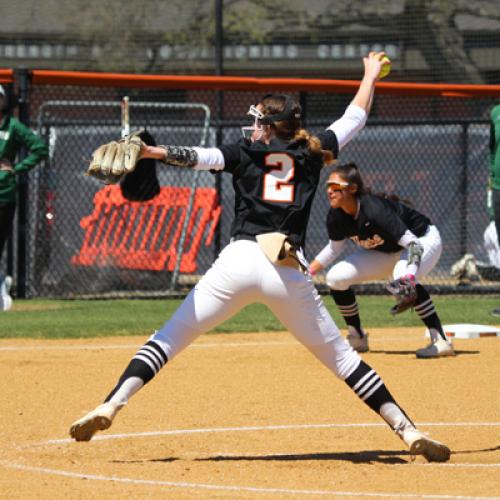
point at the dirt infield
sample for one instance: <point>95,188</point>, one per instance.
<point>246,416</point>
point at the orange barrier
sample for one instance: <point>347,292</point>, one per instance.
<point>6,76</point>
<point>146,235</point>
<point>52,77</point>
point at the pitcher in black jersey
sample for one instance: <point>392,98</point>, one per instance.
<point>275,174</point>
<point>394,240</point>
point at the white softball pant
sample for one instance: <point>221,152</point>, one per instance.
<point>242,275</point>
<point>367,265</point>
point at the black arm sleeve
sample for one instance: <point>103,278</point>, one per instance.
<point>335,225</point>
<point>232,156</point>
<point>329,142</point>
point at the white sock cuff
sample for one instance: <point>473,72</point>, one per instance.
<point>394,416</point>
<point>127,390</point>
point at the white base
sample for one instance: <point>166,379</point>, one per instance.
<point>468,331</point>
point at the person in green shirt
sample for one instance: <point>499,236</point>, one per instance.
<point>14,135</point>
<point>495,173</point>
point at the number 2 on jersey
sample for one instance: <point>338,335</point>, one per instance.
<point>277,185</point>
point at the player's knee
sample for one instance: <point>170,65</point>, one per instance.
<point>337,281</point>
<point>347,364</point>
<point>338,356</point>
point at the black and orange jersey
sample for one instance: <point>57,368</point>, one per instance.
<point>379,225</point>
<point>274,185</point>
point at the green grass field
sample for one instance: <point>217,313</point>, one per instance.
<point>97,318</point>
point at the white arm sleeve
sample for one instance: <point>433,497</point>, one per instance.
<point>209,159</point>
<point>346,127</point>
<point>407,238</point>
<point>331,251</point>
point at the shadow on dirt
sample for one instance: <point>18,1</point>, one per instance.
<point>359,457</point>
<point>406,353</point>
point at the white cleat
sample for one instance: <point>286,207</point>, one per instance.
<point>437,349</point>
<point>420,444</point>
<point>99,419</point>
<point>5,298</point>
<point>359,344</point>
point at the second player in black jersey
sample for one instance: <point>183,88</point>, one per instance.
<point>379,224</point>
<point>394,241</point>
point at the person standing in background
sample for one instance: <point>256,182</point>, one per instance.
<point>495,173</point>
<point>491,244</point>
<point>14,135</point>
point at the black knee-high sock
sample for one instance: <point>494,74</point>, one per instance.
<point>348,308</point>
<point>425,309</point>
<point>370,388</point>
<point>146,363</point>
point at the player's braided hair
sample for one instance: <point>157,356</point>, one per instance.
<point>290,130</point>
<point>350,173</point>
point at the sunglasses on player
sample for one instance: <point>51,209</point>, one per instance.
<point>337,185</point>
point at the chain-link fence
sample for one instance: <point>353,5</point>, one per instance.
<point>114,236</point>
<point>82,240</point>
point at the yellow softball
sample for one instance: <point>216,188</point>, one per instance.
<point>386,67</point>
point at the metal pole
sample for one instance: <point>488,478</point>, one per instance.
<point>189,208</point>
<point>303,105</point>
<point>22,203</point>
<point>464,179</point>
<point>219,38</point>
<point>219,107</point>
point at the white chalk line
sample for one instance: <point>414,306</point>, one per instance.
<point>263,428</point>
<point>217,487</point>
<point>253,489</point>
<point>136,346</point>
<point>98,347</point>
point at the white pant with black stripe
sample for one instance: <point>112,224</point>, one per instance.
<point>242,275</point>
